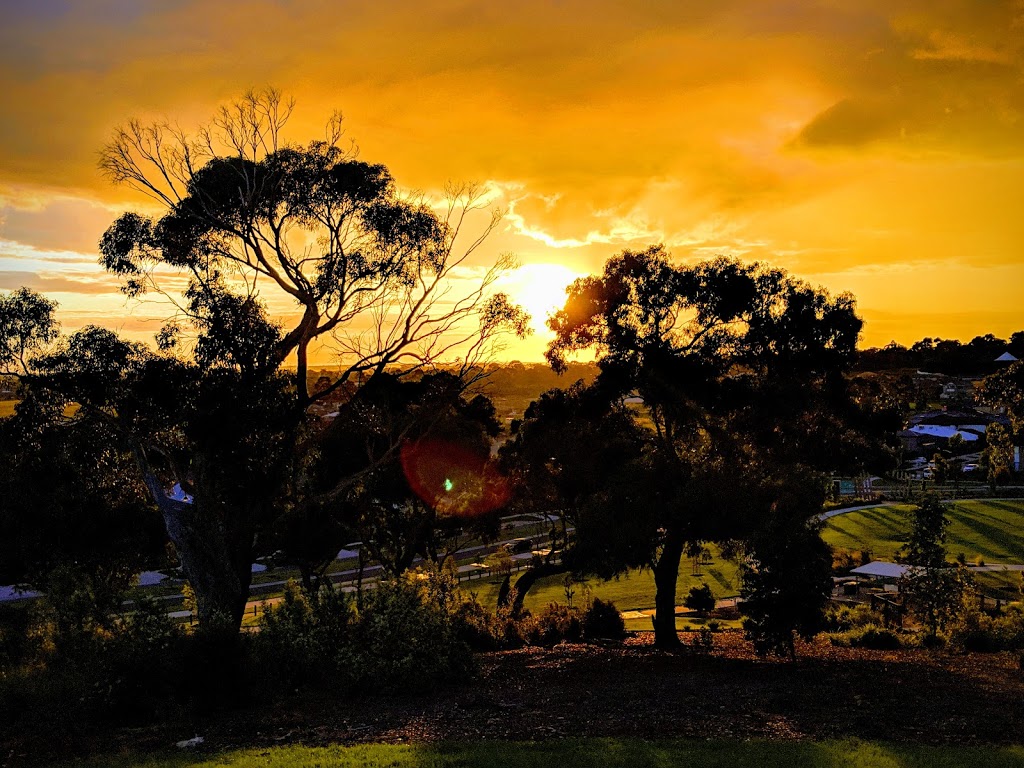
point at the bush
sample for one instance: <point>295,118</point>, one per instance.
<point>977,631</point>
<point>555,624</point>
<point>299,638</point>
<point>126,674</point>
<point>410,633</point>
<point>142,663</point>
<point>700,599</point>
<point>704,640</point>
<point>867,636</point>
<point>404,639</point>
<point>839,618</point>
<point>16,641</point>
<point>603,619</point>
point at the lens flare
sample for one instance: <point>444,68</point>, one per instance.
<point>452,479</point>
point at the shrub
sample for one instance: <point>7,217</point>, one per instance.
<point>141,663</point>
<point>555,624</point>
<point>299,638</point>
<point>977,631</point>
<point>700,599</point>
<point>704,640</point>
<point>409,633</point>
<point>404,639</point>
<point>867,636</point>
<point>603,619</point>
<point>16,641</point>
<point>839,618</point>
<point>125,674</point>
<point>477,627</point>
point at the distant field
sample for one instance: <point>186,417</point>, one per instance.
<point>7,408</point>
<point>634,590</point>
<point>992,530</point>
<point>590,753</point>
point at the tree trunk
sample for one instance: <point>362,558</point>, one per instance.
<point>525,582</point>
<point>216,571</point>
<point>666,574</point>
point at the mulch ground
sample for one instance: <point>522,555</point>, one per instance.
<point>629,690</point>
<point>635,690</point>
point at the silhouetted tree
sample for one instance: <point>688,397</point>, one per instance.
<point>732,362</point>
<point>245,218</point>
<point>421,449</point>
<point>786,570</point>
<point>933,587</point>
<point>700,599</point>
<point>580,458</point>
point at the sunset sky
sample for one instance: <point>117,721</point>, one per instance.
<point>875,146</point>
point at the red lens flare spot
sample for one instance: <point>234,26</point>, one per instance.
<point>452,479</point>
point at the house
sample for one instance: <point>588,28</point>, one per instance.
<point>957,389</point>
<point>934,428</point>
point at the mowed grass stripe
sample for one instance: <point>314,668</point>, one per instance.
<point>880,530</point>
<point>595,753</point>
<point>993,530</point>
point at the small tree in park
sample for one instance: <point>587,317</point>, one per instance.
<point>934,588</point>
<point>700,599</point>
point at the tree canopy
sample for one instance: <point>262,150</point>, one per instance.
<point>247,216</point>
<point>249,220</point>
<point>740,370</point>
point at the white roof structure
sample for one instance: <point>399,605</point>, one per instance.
<point>881,569</point>
<point>178,494</point>
<point>1006,357</point>
<point>150,578</point>
<point>942,431</point>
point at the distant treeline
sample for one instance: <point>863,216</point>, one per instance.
<point>935,355</point>
<point>949,356</point>
<point>511,379</point>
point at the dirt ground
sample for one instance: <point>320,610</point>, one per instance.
<point>634,690</point>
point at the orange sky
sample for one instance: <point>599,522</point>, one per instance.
<point>863,148</point>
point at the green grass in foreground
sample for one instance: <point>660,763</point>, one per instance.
<point>992,530</point>
<point>594,753</point>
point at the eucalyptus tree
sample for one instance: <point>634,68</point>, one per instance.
<point>740,369</point>
<point>268,250</point>
<point>430,486</point>
<point>77,521</point>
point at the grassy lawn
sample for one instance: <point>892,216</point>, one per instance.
<point>634,590</point>
<point>590,753</point>
<point>992,530</point>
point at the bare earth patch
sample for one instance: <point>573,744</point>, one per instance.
<point>634,690</point>
<point>637,691</point>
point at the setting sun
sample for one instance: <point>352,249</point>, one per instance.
<point>540,289</point>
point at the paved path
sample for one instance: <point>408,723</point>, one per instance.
<point>844,510</point>
<point>990,567</point>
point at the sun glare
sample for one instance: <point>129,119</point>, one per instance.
<point>540,289</point>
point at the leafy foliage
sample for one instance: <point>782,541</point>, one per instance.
<point>731,362</point>
<point>405,635</point>
<point>700,599</point>
<point>787,572</point>
<point>603,620</point>
<point>934,589</point>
